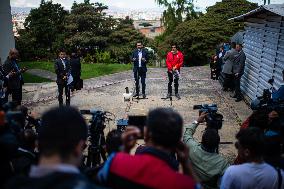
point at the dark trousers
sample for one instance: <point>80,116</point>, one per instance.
<point>171,80</point>
<point>228,81</point>
<point>140,74</point>
<point>60,94</point>
<point>237,82</point>
<point>16,96</point>
<point>75,83</point>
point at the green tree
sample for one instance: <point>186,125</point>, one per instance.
<point>123,40</point>
<point>198,38</point>
<point>88,26</point>
<point>175,11</point>
<point>43,31</point>
<point>46,23</point>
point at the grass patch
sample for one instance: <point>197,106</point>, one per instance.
<point>88,70</point>
<point>43,65</point>
<point>29,78</point>
<point>95,70</point>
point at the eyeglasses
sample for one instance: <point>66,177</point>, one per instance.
<point>174,47</point>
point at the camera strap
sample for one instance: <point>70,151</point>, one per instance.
<point>208,150</point>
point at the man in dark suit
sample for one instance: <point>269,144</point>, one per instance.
<point>140,58</point>
<point>75,70</point>
<point>63,71</point>
<point>14,75</point>
<point>238,71</point>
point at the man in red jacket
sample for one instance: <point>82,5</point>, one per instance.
<point>154,166</point>
<point>174,61</point>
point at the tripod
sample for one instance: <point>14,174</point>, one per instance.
<point>97,141</point>
<point>96,152</point>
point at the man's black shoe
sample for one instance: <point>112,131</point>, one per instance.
<point>177,95</point>
<point>168,95</point>
<point>233,96</point>
<point>144,95</point>
<point>238,99</point>
<point>136,95</point>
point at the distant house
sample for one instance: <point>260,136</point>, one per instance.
<point>149,28</point>
<point>264,47</point>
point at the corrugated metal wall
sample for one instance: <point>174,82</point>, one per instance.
<point>264,49</point>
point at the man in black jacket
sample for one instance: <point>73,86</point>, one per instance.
<point>140,58</point>
<point>238,71</point>
<point>75,70</point>
<point>3,85</point>
<point>14,75</point>
<point>63,71</point>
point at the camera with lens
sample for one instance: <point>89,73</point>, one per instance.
<point>266,102</point>
<point>213,119</point>
<point>97,122</point>
<point>96,150</point>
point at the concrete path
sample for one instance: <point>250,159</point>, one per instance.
<point>105,93</point>
<point>43,73</point>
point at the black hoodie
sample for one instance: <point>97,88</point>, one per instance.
<point>56,180</point>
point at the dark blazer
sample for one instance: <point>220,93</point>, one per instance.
<point>3,78</point>
<point>239,63</point>
<point>75,67</point>
<point>16,81</point>
<point>60,71</point>
<point>136,61</point>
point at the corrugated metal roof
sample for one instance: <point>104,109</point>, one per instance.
<point>274,8</point>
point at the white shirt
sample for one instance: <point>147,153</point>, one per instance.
<point>251,176</point>
<point>63,62</point>
<point>220,54</point>
<point>140,57</point>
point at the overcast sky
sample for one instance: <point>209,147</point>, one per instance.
<point>133,4</point>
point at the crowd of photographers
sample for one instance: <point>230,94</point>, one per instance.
<point>49,153</point>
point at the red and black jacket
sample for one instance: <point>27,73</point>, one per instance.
<point>149,169</point>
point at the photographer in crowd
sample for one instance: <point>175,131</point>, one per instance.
<point>208,165</point>
<point>154,166</point>
<point>278,95</point>
<point>61,140</point>
<point>25,156</point>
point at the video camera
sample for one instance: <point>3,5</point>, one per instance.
<point>266,102</point>
<point>213,119</point>
<point>96,150</point>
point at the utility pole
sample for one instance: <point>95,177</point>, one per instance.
<point>7,40</point>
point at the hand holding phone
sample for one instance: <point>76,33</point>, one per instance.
<point>129,137</point>
<point>182,153</point>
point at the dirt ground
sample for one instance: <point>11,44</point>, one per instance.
<point>105,93</point>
